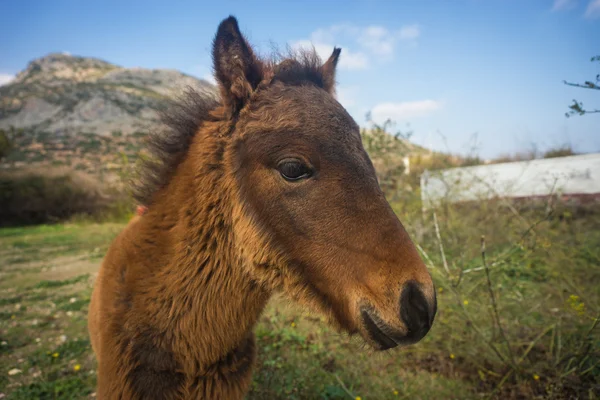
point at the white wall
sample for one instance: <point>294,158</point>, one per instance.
<point>565,175</point>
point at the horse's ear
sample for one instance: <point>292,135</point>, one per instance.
<point>328,70</point>
<point>237,70</point>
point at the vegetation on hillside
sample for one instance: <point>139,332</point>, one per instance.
<point>96,155</point>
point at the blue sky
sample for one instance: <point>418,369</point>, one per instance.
<point>462,74</point>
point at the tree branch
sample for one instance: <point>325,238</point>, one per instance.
<point>587,85</point>
<point>577,108</point>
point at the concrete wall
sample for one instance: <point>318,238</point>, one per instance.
<point>573,175</point>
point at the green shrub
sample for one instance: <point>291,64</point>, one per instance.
<point>518,294</point>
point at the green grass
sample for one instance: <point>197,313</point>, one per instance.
<point>44,242</point>
<point>56,284</point>
<point>546,286</point>
<point>307,359</point>
<point>10,300</point>
<point>44,293</point>
<point>72,387</point>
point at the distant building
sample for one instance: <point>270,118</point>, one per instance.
<point>572,176</point>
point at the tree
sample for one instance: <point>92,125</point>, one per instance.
<point>7,140</point>
<point>577,106</point>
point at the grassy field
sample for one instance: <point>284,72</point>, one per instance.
<point>522,324</point>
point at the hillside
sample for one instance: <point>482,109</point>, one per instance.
<point>62,94</point>
<point>84,112</point>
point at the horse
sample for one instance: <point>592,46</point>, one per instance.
<point>264,187</point>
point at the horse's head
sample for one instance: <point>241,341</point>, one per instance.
<point>311,219</point>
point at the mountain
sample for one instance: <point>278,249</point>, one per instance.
<point>61,94</point>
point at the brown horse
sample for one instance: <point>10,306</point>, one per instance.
<point>268,189</point>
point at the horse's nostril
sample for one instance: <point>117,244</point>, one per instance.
<point>416,312</point>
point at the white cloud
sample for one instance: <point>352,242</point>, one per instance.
<point>324,35</point>
<point>348,58</point>
<point>409,32</point>
<point>593,9</point>
<point>377,40</point>
<point>373,42</point>
<point>5,78</point>
<point>351,60</point>
<point>404,110</point>
<point>563,4</point>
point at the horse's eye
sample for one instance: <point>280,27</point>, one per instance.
<point>293,170</point>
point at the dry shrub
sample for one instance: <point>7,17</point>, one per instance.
<point>560,151</point>
<point>45,195</point>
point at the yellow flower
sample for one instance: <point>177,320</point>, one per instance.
<point>358,398</point>
<point>576,304</point>
<point>441,290</point>
<point>395,392</point>
<point>452,356</point>
<point>567,214</point>
<point>293,324</point>
<point>466,302</point>
<point>481,375</point>
<point>77,367</point>
<point>12,317</point>
<point>55,355</point>
<point>536,377</point>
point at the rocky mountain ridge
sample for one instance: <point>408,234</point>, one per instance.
<point>60,94</point>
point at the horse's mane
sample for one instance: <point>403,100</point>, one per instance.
<point>166,146</point>
<point>182,117</point>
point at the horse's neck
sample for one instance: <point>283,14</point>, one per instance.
<point>210,304</point>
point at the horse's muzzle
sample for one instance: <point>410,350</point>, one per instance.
<point>416,314</point>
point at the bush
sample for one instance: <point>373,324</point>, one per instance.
<point>49,195</point>
<point>561,151</point>
<point>517,293</point>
